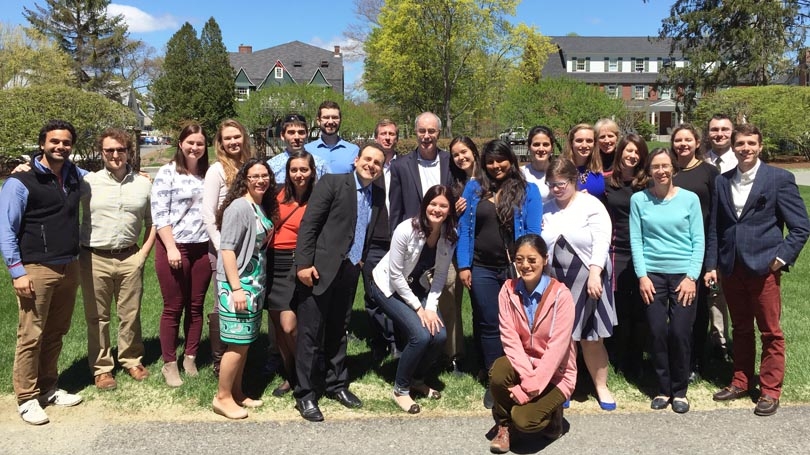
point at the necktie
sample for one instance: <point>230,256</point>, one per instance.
<point>363,215</point>
<point>717,164</point>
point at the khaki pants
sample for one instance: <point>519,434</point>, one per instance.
<point>104,278</point>
<point>44,320</point>
<point>450,308</point>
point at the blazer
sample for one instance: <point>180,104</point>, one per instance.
<point>406,191</point>
<point>327,228</point>
<point>756,236</point>
<point>392,272</point>
<point>543,353</point>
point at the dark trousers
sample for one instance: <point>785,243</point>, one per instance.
<point>700,331</point>
<point>531,417</point>
<point>486,285</point>
<point>322,323</point>
<point>626,346</point>
<point>753,297</point>
<point>381,327</point>
<point>671,335</point>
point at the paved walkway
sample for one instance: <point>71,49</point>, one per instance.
<point>727,431</point>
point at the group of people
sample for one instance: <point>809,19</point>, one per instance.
<point>607,242</point>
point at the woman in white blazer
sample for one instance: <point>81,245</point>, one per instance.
<point>406,285</point>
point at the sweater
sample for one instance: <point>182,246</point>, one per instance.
<point>238,235</point>
<point>547,353</point>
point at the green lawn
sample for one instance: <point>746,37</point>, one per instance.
<point>460,394</point>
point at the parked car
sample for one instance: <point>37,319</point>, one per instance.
<point>514,135</point>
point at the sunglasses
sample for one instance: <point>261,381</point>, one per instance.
<point>294,118</point>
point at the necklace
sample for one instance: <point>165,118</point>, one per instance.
<point>583,177</point>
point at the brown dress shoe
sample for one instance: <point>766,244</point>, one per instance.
<point>105,381</point>
<point>500,443</point>
<point>554,430</point>
<point>138,373</point>
<point>766,406</point>
<point>731,392</point>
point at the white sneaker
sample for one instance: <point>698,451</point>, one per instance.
<point>59,397</point>
<point>31,412</point>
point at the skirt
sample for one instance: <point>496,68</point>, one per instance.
<point>281,280</point>
<point>593,319</point>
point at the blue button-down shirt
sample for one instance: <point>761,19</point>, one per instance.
<point>532,299</point>
<point>340,156</point>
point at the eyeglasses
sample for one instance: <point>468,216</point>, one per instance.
<point>557,185</point>
<point>120,151</point>
<point>294,118</point>
<point>256,178</point>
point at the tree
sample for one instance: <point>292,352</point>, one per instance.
<point>558,103</point>
<point>217,94</point>
<point>24,110</point>
<point>438,55</point>
<point>27,58</point>
<point>176,93</point>
<point>94,40</point>
<point>782,114</point>
<point>730,43</point>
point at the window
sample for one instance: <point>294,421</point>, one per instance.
<point>297,63</point>
<point>279,73</point>
<point>665,93</point>
<point>638,92</point>
<point>613,65</point>
<point>324,64</point>
<point>579,65</point>
<point>612,91</point>
<point>241,93</point>
<point>639,65</point>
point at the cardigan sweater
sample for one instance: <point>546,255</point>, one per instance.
<point>238,235</point>
<point>546,353</point>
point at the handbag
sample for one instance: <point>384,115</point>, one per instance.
<point>426,279</point>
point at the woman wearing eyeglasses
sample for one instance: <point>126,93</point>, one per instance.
<point>246,230</point>
<point>577,229</point>
<point>667,241</point>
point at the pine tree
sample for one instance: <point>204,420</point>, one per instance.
<point>218,87</point>
<point>176,93</point>
<point>94,40</point>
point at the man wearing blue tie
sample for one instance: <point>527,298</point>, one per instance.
<point>332,243</point>
<point>752,205</point>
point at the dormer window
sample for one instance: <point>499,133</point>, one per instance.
<point>297,63</point>
<point>324,64</point>
<point>279,72</point>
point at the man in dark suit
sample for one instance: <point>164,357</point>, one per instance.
<point>332,242</point>
<point>752,205</point>
<point>411,176</point>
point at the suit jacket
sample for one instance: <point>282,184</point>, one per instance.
<point>327,228</point>
<point>756,236</point>
<point>406,186</point>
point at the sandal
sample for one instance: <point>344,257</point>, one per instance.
<point>424,390</point>
<point>406,403</point>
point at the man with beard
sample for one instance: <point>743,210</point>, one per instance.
<point>338,153</point>
<point>39,240</point>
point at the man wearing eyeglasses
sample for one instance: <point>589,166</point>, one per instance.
<point>338,153</point>
<point>115,210</point>
<point>294,134</point>
<point>39,239</point>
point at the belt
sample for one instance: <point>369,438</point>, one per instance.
<point>113,252</point>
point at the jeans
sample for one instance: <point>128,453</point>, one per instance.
<point>422,348</point>
<point>486,285</point>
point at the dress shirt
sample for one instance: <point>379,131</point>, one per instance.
<point>363,218</point>
<point>728,160</point>
<point>340,157</point>
<point>741,187</point>
<point>429,172</point>
<point>113,211</point>
<point>532,299</point>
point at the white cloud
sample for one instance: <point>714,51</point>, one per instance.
<point>139,21</point>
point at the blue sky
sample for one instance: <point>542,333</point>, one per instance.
<point>264,24</point>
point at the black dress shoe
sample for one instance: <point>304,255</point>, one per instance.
<point>731,392</point>
<point>309,410</point>
<point>489,400</point>
<point>346,398</point>
<point>766,406</point>
<point>680,405</point>
<point>659,402</point>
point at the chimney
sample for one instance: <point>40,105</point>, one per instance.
<point>245,49</point>
<point>337,51</point>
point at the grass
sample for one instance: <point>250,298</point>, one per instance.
<point>461,395</point>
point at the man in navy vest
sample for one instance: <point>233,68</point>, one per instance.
<point>39,240</point>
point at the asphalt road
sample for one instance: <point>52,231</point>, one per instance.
<point>726,431</point>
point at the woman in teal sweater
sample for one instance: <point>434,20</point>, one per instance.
<point>667,243</point>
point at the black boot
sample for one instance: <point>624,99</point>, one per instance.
<point>217,346</point>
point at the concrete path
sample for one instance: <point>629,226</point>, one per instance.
<point>802,176</point>
<point>727,431</point>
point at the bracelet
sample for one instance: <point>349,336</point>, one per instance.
<point>237,289</point>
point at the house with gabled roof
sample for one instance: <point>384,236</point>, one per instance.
<point>624,67</point>
<point>290,63</point>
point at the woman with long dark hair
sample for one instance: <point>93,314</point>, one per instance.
<point>181,252</point>
<point>501,206</point>
<point>292,201</point>
<point>626,346</point>
<point>407,284</point>
<point>541,145</point>
<point>246,230</point>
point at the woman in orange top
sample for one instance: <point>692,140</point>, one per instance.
<point>292,201</point>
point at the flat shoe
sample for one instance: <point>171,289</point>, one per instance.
<point>230,415</point>
<point>425,391</point>
<point>680,405</point>
<point>659,402</point>
<point>414,408</point>
<point>283,389</point>
<point>250,403</point>
<point>607,406</point>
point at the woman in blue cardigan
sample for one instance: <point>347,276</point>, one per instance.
<point>501,206</point>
